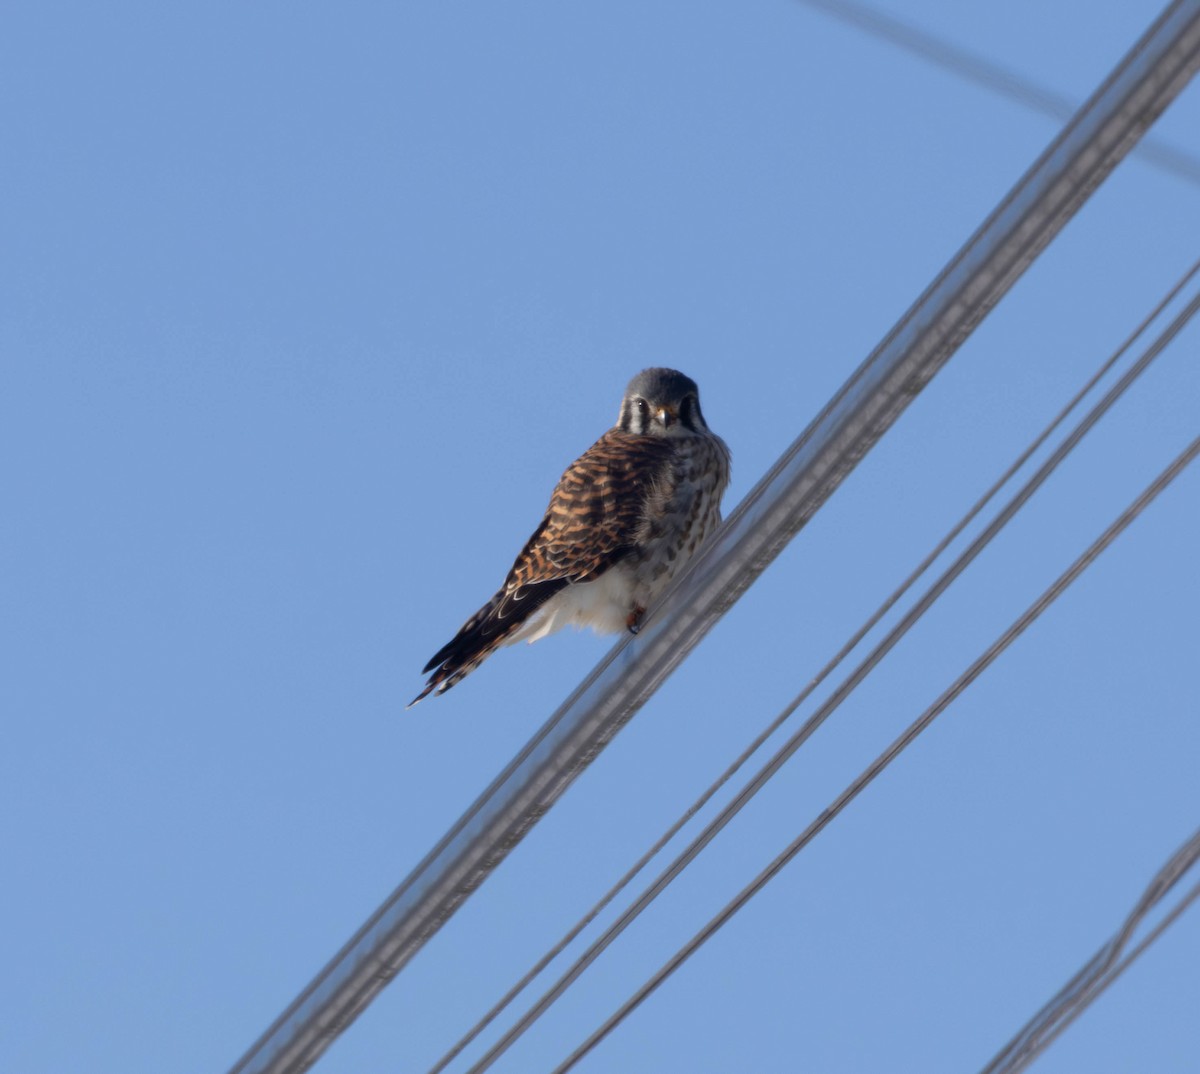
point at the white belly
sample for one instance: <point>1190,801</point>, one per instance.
<point>604,605</point>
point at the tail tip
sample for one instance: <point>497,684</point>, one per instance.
<point>429,688</point>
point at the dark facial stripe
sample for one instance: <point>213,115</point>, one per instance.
<point>627,414</point>
<point>634,415</point>
<point>633,418</point>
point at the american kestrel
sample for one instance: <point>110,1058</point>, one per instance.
<point>626,515</point>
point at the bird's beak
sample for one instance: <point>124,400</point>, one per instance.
<point>666,417</point>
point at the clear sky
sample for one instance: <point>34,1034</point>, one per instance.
<point>304,310</point>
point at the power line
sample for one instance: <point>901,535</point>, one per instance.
<point>977,667</point>
<point>1058,183</point>
<point>1102,969</point>
<point>843,690</point>
<point>820,677</point>
<point>979,70</point>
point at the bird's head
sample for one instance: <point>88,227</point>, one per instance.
<point>661,402</point>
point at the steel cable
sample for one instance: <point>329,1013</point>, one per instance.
<point>540,965</point>
<point>981,663</point>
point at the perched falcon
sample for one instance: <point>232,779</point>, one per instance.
<point>627,514</point>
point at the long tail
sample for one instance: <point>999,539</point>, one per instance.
<point>482,635</point>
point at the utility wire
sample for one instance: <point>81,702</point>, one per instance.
<point>1102,969</point>
<point>1108,978</point>
<point>1154,71</point>
<point>979,70</point>
<point>977,667</point>
<point>845,688</point>
<point>540,965</point>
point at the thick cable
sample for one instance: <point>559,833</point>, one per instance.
<point>977,667</point>
<point>1151,75</point>
<point>852,643</point>
<point>844,689</point>
<point>1102,969</point>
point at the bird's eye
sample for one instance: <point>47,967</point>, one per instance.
<point>642,407</point>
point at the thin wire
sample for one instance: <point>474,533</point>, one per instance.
<point>1102,969</point>
<point>693,849</point>
<point>847,686</point>
<point>538,967</point>
<point>980,664</point>
<point>983,72</point>
<point>1175,913</point>
<point>764,774</point>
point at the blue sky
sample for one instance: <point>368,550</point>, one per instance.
<point>306,309</point>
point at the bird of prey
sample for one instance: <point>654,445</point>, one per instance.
<point>626,515</point>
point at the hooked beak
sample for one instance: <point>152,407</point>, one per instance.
<point>666,417</point>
